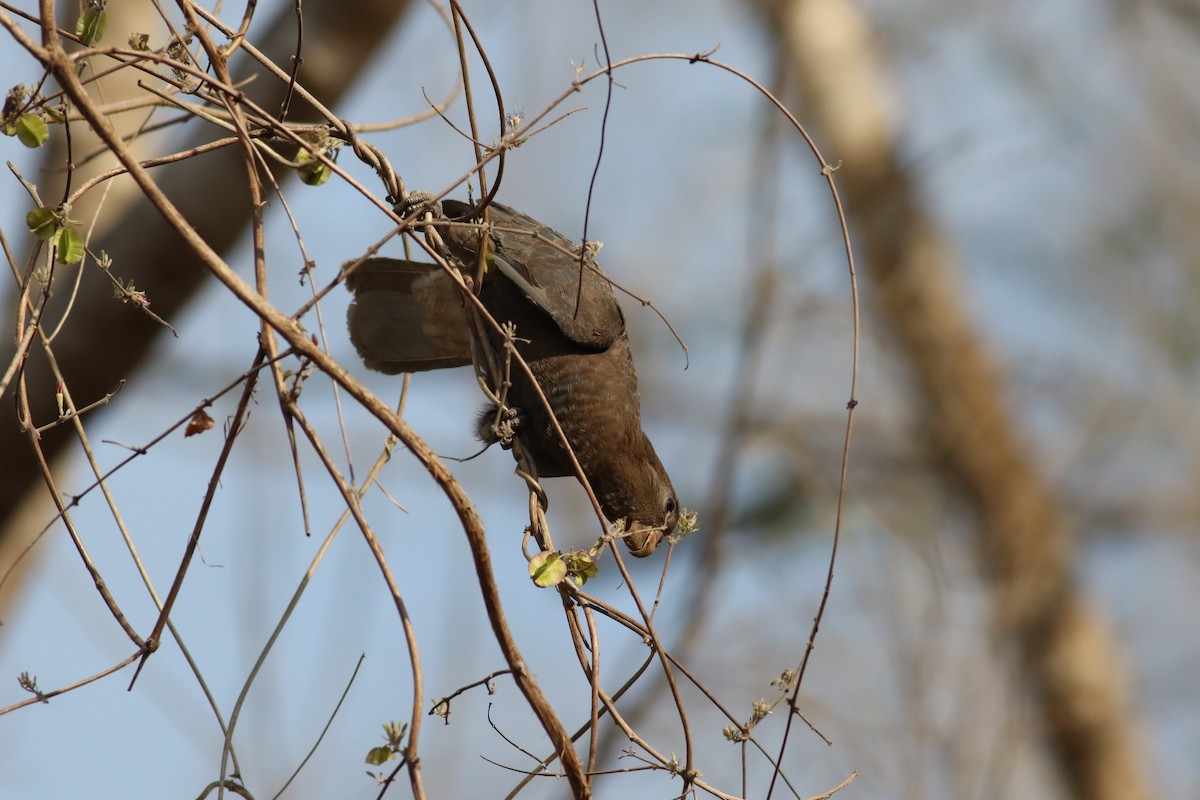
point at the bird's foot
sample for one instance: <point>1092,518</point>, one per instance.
<point>507,425</point>
<point>498,426</point>
<point>414,201</point>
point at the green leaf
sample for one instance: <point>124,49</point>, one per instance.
<point>379,755</point>
<point>581,567</point>
<point>395,732</point>
<point>139,41</point>
<point>42,223</point>
<point>547,569</point>
<point>313,172</point>
<point>31,130</point>
<point>90,27</point>
<point>70,246</point>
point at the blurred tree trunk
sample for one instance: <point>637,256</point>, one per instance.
<point>106,340</point>
<point>1065,655</point>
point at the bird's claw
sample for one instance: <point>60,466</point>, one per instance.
<point>416,200</point>
<point>499,426</point>
<point>506,426</point>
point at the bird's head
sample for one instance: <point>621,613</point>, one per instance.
<point>646,502</point>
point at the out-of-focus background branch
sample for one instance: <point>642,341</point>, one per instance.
<point>1067,657</point>
<point>150,255</point>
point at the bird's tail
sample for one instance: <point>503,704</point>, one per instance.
<point>406,317</point>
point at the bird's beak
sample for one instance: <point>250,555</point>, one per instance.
<point>642,540</point>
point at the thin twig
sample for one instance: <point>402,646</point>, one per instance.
<point>333,715</point>
<point>214,482</point>
<point>43,697</point>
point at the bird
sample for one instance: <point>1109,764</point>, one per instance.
<point>408,316</point>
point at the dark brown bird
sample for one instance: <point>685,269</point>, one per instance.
<point>408,316</point>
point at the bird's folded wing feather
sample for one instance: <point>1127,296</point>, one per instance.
<point>539,263</point>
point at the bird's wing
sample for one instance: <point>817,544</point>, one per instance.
<point>540,265</point>
<point>406,317</point>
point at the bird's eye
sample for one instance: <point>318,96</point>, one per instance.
<point>669,506</point>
